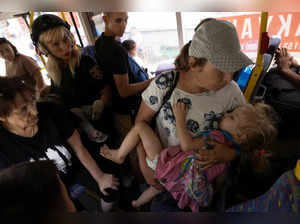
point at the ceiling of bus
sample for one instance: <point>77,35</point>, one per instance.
<point>8,15</point>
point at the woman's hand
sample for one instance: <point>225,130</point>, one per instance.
<point>97,109</point>
<point>285,59</point>
<point>108,181</point>
<point>221,153</point>
<point>179,111</point>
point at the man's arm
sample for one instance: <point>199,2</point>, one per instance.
<point>126,89</point>
<point>291,75</point>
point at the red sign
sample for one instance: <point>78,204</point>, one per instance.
<point>282,24</point>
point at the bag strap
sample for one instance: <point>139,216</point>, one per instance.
<point>170,91</point>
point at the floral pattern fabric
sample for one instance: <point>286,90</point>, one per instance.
<point>201,107</point>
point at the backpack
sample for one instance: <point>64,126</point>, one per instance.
<point>139,73</point>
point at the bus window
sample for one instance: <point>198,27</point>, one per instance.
<point>97,24</point>
<point>155,34</point>
<point>282,24</point>
<point>17,32</point>
<point>249,44</point>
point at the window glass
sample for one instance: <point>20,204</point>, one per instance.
<point>280,24</point>
<point>17,32</point>
<point>286,25</point>
<point>155,34</point>
<point>97,24</point>
<point>248,34</point>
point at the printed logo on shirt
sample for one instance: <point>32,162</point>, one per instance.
<point>60,163</point>
<point>60,155</point>
<point>211,120</point>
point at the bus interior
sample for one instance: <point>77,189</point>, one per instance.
<point>159,41</point>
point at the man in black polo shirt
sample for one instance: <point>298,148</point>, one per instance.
<point>112,58</point>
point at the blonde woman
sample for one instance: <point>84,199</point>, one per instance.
<point>75,78</point>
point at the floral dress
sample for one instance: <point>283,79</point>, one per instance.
<point>181,174</point>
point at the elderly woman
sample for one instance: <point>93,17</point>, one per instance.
<point>205,67</point>
<point>18,64</point>
<point>44,131</point>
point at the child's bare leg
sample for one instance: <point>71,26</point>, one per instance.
<point>146,196</point>
<point>149,139</point>
<point>140,132</point>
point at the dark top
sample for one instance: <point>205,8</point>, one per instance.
<point>282,90</point>
<point>112,58</point>
<point>56,125</point>
<point>80,88</point>
<point>275,79</point>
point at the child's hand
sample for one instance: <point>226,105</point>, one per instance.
<point>179,110</point>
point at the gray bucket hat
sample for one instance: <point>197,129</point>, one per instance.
<point>218,42</point>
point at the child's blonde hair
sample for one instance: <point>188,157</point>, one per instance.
<point>55,66</point>
<point>259,125</point>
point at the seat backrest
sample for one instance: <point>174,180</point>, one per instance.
<point>267,59</point>
<point>242,76</point>
<point>260,90</point>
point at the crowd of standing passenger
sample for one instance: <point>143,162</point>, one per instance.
<point>190,123</point>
